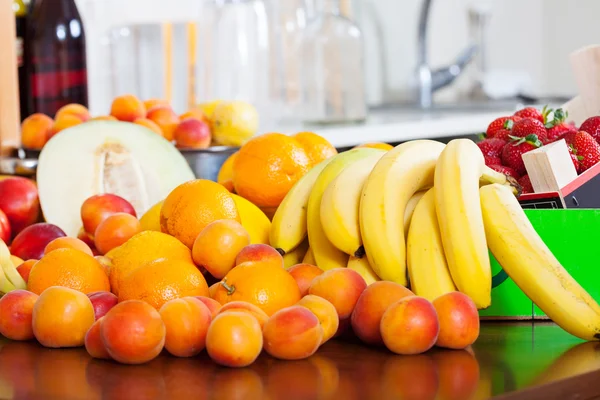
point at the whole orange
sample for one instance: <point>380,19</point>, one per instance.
<point>267,167</point>
<point>263,284</point>
<point>193,205</point>
<point>163,280</point>
<point>317,147</point>
<point>70,268</point>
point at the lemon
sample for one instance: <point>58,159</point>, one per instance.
<point>234,122</point>
<point>150,221</point>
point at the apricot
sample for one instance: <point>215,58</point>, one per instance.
<point>234,339</point>
<point>195,113</point>
<point>127,108</point>
<point>97,208</point>
<point>304,275</point>
<point>73,109</point>
<point>31,242</point>
<point>325,312</point>
<point>116,230</point>
<point>151,103</point>
<point>104,118</point>
<point>93,342</point>
<point>370,307</point>
<point>145,122</point>
<point>16,311</point>
<point>20,202</point>
<point>459,320</point>
<point>212,290</point>
<point>36,130</point>
<point>186,320</point>
<point>133,332</point>
<point>66,121</point>
<point>103,302</point>
<point>66,242</point>
<point>217,246</point>
<point>165,118</point>
<point>341,286</point>
<point>213,305</point>
<point>259,252</point>
<point>410,326</point>
<point>244,306</point>
<point>292,333</point>
<point>62,317</point>
<point>458,372</point>
<point>192,133</point>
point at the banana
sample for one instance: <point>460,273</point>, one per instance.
<point>361,265</point>
<point>410,209</point>
<point>288,226</point>
<point>308,257</point>
<point>340,204</point>
<point>532,266</point>
<point>295,256</point>
<point>326,254</point>
<point>401,172</point>
<point>254,220</point>
<point>427,267</point>
<point>8,271</point>
<point>456,187</point>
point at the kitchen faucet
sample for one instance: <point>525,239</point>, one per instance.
<point>430,81</point>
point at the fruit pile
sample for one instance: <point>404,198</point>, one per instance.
<point>227,123</point>
<point>508,138</point>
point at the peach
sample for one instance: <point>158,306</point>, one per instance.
<point>103,302</point>
<point>76,110</point>
<point>68,243</point>
<point>66,121</point>
<point>186,320</point>
<point>234,339</point>
<point>410,326</point>
<point>31,242</point>
<point>104,118</point>
<point>213,305</point>
<point>133,332</point>
<point>62,317</point>
<point>165,118</point>
<point>19,201</point>
<point>459,320</point>
<point>458,372</point>
<point>36,130</point>
<point>304,275</point>
<point>259,252</point>
<point>5,230</point>
<point>341,286</point>
<point>412,377</point>
<point>25,268</point>
<point>244,306</point>
<point>127,108</point>
<point>192,133</point>
<point>16,310</point>
<point>145,122</point>
<point>371,305</point>
<point>97,208</point>
<point>292,333</point>
<point>93,342</point>
<point>325,312</point>
<point>217,246</point>
<point>116,230</point>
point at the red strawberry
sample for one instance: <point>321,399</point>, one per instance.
<point>585,147</point>
<point>512,151</point>
<point>557,132</point>
<point>503,134</point>
<point>529,126</point>
<point>592,126</point>
<point>530,112</point>
<point>500,123</point>
<point>505,170</point>
<point>525,183</point>
<point>492,160</point>
<point>575,160</point>
<point>491,147</point>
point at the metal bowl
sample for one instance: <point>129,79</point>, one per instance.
<point>206,163</point>
<point>17,163</point>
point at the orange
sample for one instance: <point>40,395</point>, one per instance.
<point>70,268</point>
<point>225,176</point>
<point>317,147</point>
<point>263,284</point>
<point>160,281</point>
<point>193,205</point>
<point>376,145</point>
<point>267,167</point>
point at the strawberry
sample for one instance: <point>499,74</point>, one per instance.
<point>525,183</point>
<point>512,151</point>
<point>503,134</point>
<point>500,123</point>
<point>491,147</point>
<point>585,147</point>
<point>592,126</point>
<point>529,126</point>
<point>531,112</point>
<point>492,160</point>
<point>505,170</point>
<point>557,127</point>
<point>575,160</point>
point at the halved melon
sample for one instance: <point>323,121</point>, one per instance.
<point>96,157</point>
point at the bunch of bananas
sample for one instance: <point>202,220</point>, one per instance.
<point>424,214</point>
<point>10,279</point>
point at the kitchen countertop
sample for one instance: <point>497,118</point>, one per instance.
<point>510,360</point>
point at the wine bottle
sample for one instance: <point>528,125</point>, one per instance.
<point>20,15</point>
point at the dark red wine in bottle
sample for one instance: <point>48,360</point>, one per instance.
<point>20,10</point>
<point>55,57</point>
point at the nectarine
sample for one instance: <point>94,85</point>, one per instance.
<point>19,201</point>
<point>16,312</point>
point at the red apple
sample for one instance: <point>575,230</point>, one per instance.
<point>31,241</point>
<point>102,302</point>
<point>5,231</point>
<point>19,201</point>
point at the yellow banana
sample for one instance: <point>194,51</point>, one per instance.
<point>532,266</point>
<point>254,220</point>
<point>288,226</point>
<point>308,257</point>
<point>326,254</point>
<point>410,209</point>
<point>295,256</point>
<point>401,172</point>
<point>10,279</point>
<point>340,204</point>
<point>427,267</point>
<point>362,267</point>
<point>456,188</point>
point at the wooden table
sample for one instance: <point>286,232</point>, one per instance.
<point>512,361</point>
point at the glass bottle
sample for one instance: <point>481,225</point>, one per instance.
<point>55,57</point>
<point>20,10</point>
<point>333,81</point>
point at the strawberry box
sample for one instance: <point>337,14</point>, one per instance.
<point>572,235</point>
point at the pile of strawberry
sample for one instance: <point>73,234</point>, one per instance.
<point>507,138</point>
